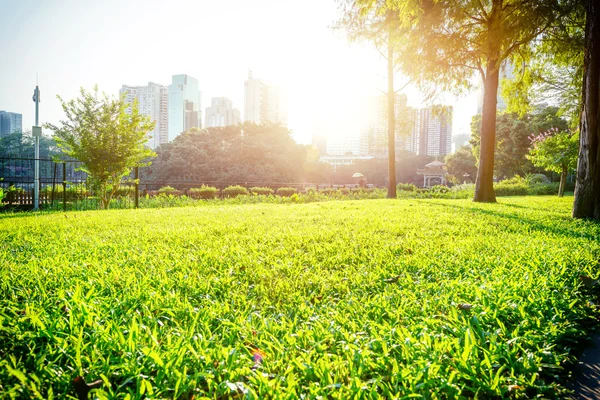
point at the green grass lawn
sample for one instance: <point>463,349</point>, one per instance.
<point>354,299</point>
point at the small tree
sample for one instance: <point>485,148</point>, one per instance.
<point>461,163</point>
<point>109,141</point>
<point>555,151</point>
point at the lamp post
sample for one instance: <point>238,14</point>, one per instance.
<point>36,132</point>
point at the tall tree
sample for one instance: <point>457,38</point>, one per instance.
<point>100,133</point>
<point>378,22</point>
<point>587,185</point>
<point>451,40</point>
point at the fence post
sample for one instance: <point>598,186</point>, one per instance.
<point>64,186</point>
<point>137,187</point>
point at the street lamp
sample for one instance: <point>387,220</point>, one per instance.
<point>36,132</point>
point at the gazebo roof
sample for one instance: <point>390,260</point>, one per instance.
<point>435,164</point>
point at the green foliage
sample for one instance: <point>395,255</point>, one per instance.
<point>537,178</point>
<point>234,191</point>
<point>461,163</point>
<point>182,309</point>
<point>74,191</point>
<point>513,139</point>
<point>169,190</point>
<point>262,191</point>
<point>540,189</point>
<point>555,151</point>
<point>552,69</point>
<point>109,141</point>
<point>439,189</point>
<point>240,153</point>
<point>286,191</point>
<point>409,187</point>
<point>506,188</point>
<point>22,145</point>
<point>204,192</point>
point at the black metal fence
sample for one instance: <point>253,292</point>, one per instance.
<point>60,182</point>
<point>64,186</point>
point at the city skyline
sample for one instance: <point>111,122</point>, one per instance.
<point>319,69</point>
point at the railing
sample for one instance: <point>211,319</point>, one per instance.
<point>64,187</point>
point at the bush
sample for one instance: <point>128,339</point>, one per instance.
<point>204,192</point>
<point>169,190</point>
<point>234,191</point>
<point>407,187</point>
<point>125,191</point>
<point>510,189</point>
<point>537,178</point>
<point>439,189</point>
<point>541,189</point>
<point>262,191</point>
<point>286,191</point>
<point>74,191</point>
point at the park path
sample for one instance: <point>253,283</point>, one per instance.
<point>587,373</point>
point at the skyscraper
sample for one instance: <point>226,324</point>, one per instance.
<point>263,103</point>
<point>221,113</point>
<point>435,130</point>
<point>376,130</point>
<point>152,102</point>
<point>185,102</point>
<point>10,123</point>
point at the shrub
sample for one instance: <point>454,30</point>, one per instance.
<point>124,191</point>
<point>234,191</point>
<point>540,189</point>
<point>286,191</point>
<point>537,178</point>
<point>439,189</point>
<point>510,189</point>
<point>169,190</point>
<point>204,192</point>
<point>74,191</point>
<point>264,191</point>
<point>408,187</point>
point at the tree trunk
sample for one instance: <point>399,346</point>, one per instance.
<point>484,184</point>
<point>391,192</point>
<point>563,181</point>
<point>587,185</point>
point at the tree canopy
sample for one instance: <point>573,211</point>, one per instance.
<point>109,141</point>
<point>555,150</point>
<point>236,153</point>
<point>512,139</point>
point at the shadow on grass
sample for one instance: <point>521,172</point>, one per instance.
<point>532,223</point>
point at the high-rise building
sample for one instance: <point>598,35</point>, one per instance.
<point>376,129</point>
<point>185,102</point>
<point>435,130</point>
<point>263,102</point>
<point>152,102</point>
<point>221,113</point>
<point>10,123</point>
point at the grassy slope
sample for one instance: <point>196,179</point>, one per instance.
<point>172,302</point>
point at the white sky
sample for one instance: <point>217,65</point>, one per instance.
<point>74,43</point>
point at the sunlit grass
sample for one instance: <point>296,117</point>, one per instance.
<point>367,299</point>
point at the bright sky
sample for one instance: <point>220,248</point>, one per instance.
<point>74,43</point>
